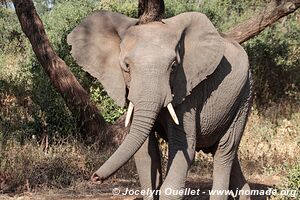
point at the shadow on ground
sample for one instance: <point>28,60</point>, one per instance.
<point>88,191</point>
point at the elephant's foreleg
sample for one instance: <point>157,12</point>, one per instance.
<point>148,164</point>
<point>238,183</point>
<point>181,155</point>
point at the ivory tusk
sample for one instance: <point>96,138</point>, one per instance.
<point>172,113</point>
<point>129,113</point>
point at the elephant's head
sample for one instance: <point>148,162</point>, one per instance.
<point>150,66</point>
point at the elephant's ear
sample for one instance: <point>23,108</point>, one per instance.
<point>96,47</point>
<point>201,49</point>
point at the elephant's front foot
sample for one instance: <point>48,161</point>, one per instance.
<point>169,193</point>
<point>245,192</point>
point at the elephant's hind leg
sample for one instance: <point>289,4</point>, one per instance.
<point>238,182</point>
<point>148,164</point>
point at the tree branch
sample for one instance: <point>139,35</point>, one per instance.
<point>252,27</point>
<point>89,120</point>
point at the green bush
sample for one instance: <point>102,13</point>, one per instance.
<point>11,38</point>
<point>126,7</point>
<point>274,58</point>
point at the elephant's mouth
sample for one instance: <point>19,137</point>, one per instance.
<point>169,107</point>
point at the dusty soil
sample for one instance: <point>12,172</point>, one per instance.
<point>88,191</point>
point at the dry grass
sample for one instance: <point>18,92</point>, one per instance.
<point>269,148</point>
<point>66,164</point>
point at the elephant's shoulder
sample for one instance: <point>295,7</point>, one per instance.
<point>236,56</point>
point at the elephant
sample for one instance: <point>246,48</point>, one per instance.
<point>182,80</point>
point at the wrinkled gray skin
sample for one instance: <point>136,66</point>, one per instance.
<point>182,60</point>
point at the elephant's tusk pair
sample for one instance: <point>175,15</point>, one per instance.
<point>170,109</point>
<point>129,113</point>
<point>172,113</point>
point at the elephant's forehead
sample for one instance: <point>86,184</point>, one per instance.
<point>155,32</point>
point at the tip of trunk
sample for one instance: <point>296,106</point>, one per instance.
<point>143,120</point>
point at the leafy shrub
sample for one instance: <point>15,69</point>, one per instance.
<point>11,38</point>
<point>108,108</point>
<point>274,62</point>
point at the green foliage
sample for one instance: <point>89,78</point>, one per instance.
<point>11,38</point>
<point>126,7</point>
<point>173,8</point>
<point>110,111</point>
<point>223,14</point>
<point>35,107</point>
<point>274,58</point>
<point>54,115</point>
<point>292,182</point>
<point>30,105</point>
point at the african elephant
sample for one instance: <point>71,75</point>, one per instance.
<point>183,81</point>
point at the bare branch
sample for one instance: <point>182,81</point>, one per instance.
<point>252,27</point>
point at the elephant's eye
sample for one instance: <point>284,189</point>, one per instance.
<point>125,66</point>
<point>174,64</point>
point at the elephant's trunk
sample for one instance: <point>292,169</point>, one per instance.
<point>143,120</point>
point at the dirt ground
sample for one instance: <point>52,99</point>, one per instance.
<point>88,191</point>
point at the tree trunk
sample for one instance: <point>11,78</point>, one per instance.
<point>150,10</point>
<point>116,133</point>
<point>90,122</point>
<point>252,27</point>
